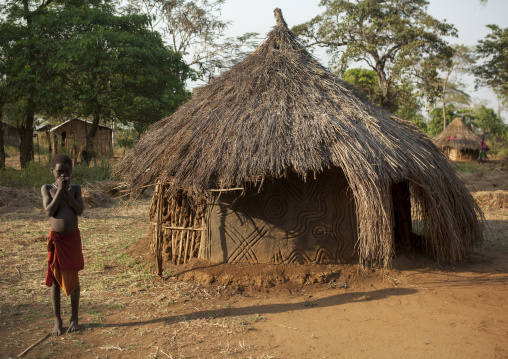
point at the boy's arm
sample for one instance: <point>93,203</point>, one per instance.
<point>76,201</point>
<point>50,204</point>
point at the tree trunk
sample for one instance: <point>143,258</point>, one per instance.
<point>90,136</point>
<point>444,100</point>
<point>26,145</point>
<point>2,148</point>
<point>385,101</point>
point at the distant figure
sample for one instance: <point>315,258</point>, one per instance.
<point>63,203</point>
<point>483,152</point>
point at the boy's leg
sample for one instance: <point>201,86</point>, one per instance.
<point>55,299</point>
<point>73,326</point>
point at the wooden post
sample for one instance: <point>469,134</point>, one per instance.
<point>158,241</point>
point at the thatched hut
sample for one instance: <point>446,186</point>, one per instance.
<point>70,137</point>
<point>278,160</point>
<point>458,142</point>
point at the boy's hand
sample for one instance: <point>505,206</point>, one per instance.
<point>63,183</point>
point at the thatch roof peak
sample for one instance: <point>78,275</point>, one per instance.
<point>279,18</point>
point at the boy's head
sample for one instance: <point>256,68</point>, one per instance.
<point>61,167</point>
<point>62,159</point>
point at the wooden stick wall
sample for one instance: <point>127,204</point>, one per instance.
<point>175,227</point>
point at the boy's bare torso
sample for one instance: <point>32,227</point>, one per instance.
<point>64,219</point>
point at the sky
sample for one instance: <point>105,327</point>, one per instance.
<point>470,17</point>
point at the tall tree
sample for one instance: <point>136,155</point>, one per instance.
<point>489,122</point>
<point>25,57</point>
<point>115,69</point>
<point>397,39</point>
<point>79,57</point>
<point>460,61</point>
<point>493,71</point>
<point>435,124</point>
<point>406,105</point>
<point>195,30</point>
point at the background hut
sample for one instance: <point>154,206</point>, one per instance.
<point>11,135</point>
<point>279,160</point>
<point>44,135</point>
<point>458,142</point>
<point>70,137</point>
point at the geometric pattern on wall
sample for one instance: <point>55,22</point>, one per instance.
<point>289,221</point>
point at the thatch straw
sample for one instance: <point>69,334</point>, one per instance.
<point>280,111</point>
<point>458,135</point>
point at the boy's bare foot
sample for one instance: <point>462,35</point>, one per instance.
<point>57,330</point>
<point>73,326</point>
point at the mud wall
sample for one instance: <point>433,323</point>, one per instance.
<point>289,221</point>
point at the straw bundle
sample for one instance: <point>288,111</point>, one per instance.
<point>279,112</point>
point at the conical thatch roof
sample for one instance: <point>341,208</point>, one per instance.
<point>280,111</point>
<point>458,135</point>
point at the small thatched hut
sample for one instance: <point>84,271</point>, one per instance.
<point>458,142</point>
<point>70,137</point>
<point>280,161</point>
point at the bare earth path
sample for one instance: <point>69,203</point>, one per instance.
<point>417,309</point>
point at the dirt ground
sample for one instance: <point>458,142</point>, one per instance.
<point>416,309</point>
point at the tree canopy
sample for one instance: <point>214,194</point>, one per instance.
<point>397,39</point>
<point>406,105</point>
<point>493,71</point>
<point>489,122</point>
<point>121,71</point>
<point>195,30</point>
<point>79,58</point>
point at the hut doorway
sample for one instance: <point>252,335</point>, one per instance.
<point>289,221</point>
<point>403,230</point>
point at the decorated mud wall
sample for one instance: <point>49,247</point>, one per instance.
<point>289,221</point>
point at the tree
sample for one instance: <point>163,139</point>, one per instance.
<point>24,70</point>
<point>366,81</point>
<point>81,59</point>
<point>489,122</point>
<point>461,60</point>
<point>118,71</point>
<point>435,124</point>
<point>406,105</point>
<point>397,39</point>
<point>194,30</point>
<point>493,72</point>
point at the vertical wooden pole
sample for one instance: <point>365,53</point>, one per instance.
<point>158,240</point>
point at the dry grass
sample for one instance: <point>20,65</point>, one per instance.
<point>492,199</point>
<point>118,286</point>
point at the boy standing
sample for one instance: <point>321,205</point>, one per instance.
<point>63,203</point>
